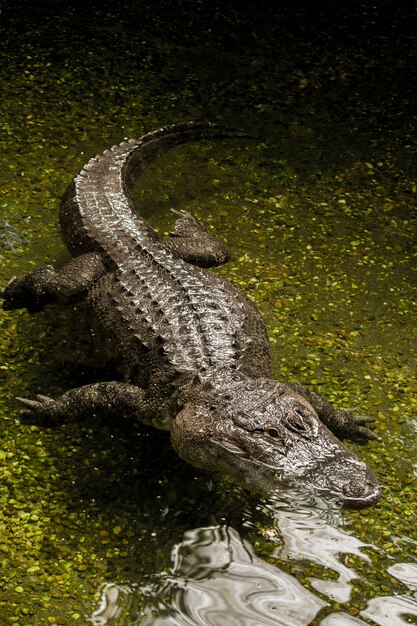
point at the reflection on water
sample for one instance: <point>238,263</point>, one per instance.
<point>406,573</point>
<point>341,619</point>
<point>222,581</point>
<point>217,579</point>
<point>391,610</point>
<point>114,600</point>
<point>312,530</point>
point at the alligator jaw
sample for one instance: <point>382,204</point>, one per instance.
<point>347,480</point>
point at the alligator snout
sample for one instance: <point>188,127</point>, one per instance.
<point>360,494</point>
<point>360,489</point>
<point>347,479</point>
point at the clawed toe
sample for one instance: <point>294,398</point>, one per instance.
<point>359,427</point>
<point>364,434</point>
<point>31,404</point>
<point>44,399</point>
<point>11,281</point>
<point>37,410</point>
<point>3,294</point>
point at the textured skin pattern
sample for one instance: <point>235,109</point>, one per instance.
<point>190,348</point>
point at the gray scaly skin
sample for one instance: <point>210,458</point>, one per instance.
<point>190,348</point>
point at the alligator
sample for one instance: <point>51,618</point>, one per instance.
<point>190,349</point>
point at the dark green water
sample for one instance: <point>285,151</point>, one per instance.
<point>103,522</point>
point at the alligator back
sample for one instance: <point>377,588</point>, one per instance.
<point>195,318</point>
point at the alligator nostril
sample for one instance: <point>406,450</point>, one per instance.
<point>353,489</point>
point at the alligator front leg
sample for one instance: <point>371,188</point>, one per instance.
<point>191,242</point>
<point>48,285</point>
<point>97,399</point>
<point>344,423</point>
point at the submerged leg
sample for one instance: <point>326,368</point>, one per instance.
<point>47,285</point>
<point>97,399</point>
<point>344,423</point>
<point>190,241</point>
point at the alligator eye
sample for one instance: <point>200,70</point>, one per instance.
<point>273,432</point>
<point>296,421</point>
<point>300,422</point>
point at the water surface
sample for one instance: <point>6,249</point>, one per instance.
<point>102,523</point>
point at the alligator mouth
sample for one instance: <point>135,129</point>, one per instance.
<point>349,481</point>
<point>359,497</point>
<point>345,479</point>
<point>362,503</point>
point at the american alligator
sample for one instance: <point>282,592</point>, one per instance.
<point>191,350</point>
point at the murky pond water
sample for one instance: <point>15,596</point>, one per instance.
<point>102,523</point>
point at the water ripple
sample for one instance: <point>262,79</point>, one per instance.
<point>342,619</point>
<point>406,573</point>
<point>312,530</point>
<point>217,580</point>
<point>389,610</point>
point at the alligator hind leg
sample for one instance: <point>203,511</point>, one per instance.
<point>191,242</point>
<point>48,285</point>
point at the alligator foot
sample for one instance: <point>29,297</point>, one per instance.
<point>191,242</point>
<point>49,285</point>
<point>354,425</point>
<point>40,412</point>
<point>25,291</point>
<point>344,423</point>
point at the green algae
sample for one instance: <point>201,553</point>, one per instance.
<point>320,214</point>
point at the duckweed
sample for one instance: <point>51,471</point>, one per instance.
<point>319,211</point>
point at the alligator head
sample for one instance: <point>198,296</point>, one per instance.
<point>264,435</point>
